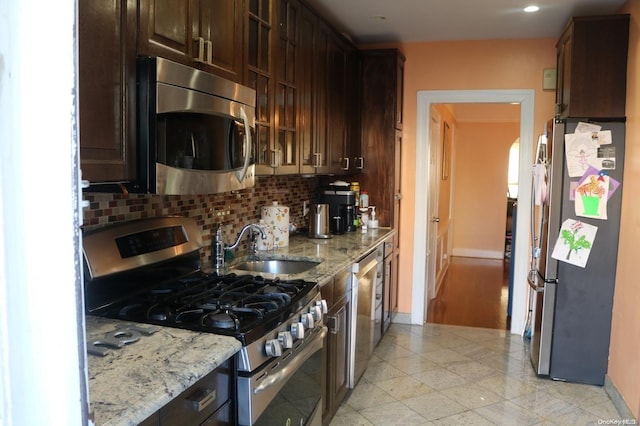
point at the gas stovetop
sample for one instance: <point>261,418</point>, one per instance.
<point>148,271</point>
<point>242,306</point>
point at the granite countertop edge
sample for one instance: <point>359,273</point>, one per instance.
<point>131,383</point>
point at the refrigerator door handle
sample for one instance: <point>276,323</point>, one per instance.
<point>531,279</point>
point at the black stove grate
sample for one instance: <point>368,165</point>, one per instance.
<point>242,306</point>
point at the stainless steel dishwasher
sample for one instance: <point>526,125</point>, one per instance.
<point>363,330</point>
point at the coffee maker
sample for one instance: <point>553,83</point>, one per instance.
<point>342,203</point>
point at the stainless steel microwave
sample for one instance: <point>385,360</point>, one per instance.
<point>195,130</point>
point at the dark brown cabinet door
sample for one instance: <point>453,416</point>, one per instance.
<point>258,35</point>
<point>107,34</point>
<point>592,67</point>
<point>220,27</point>
<point>315,158</point>
<point>202,33</point>
<point>307,94</point>
<point>167,29</point>
<point>337,346</point>
<point>337,99</point>
<point>286,119</point>
<point>380,115</point>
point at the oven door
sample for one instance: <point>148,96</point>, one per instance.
<point>287,390</point>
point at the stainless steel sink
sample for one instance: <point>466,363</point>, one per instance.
<point>277,266</point>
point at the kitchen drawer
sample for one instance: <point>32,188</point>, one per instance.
<point>201,400</point>
<point>222,417</point>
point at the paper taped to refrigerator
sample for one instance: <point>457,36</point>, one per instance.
<point>574,242</point>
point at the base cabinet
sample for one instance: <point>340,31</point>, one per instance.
<point>338,320</point>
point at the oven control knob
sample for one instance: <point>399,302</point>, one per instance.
<point>285,339</point>
<point>316,311</point>
<point>307,320</point>
<point>273,347</point>
<point>297,330</point>
<point>323,305</point>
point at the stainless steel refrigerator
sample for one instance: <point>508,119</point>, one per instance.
<point>571,306</point>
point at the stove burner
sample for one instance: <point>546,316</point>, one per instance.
<point>160,313</point>
<point>220,320</point>
<point>271,289</point>
<point>243,306</point>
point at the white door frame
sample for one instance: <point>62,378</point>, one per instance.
<point>426,98</point>
<point>433,197</point>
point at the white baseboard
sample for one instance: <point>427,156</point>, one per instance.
<point>482,254</point>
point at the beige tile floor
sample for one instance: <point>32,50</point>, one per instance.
<point>453,375</point>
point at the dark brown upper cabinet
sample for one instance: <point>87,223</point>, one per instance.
<point>592,67</point>
<point>287,91</point>
<point>259,30</point>
<point>107,90</point>
<point>382,75</point>
<point>207,34</point>
<point>315,43</point>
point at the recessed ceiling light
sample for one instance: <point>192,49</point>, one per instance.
<point>531,9</point>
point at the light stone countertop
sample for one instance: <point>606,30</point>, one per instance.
<point>131,383</point>
<point>336,253</point>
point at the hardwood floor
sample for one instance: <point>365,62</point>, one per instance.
<point>474,293</point>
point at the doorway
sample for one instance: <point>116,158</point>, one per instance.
<point>470,215</point>
<point>424,180</point>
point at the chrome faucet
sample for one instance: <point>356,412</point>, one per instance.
<point>219,247</point>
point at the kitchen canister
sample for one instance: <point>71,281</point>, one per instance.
<point>265,243</point>
<point>276,217</point>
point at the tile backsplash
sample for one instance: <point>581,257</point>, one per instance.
<point>231,210</point>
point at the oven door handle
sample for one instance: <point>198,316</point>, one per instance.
<point>288,370</point>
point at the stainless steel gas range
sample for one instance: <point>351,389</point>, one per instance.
<point>148,271</point>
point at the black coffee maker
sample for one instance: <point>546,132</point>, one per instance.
<point>342,203</point>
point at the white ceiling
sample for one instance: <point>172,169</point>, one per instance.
<point>431,20</point>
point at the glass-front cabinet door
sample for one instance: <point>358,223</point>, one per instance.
<point>259,77</point>
<point>286,119</point>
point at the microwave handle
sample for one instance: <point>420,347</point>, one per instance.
<point>247,158</point>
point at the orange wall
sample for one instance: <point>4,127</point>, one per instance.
<point>481,161</point>
<point>624,356</point>
<point>463,65</point>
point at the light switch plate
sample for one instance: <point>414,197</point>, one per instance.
<point>549,79</point>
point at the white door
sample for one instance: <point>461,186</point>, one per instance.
<point>432,206</point>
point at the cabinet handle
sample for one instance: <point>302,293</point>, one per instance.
<point>274,157</point>
<point>200,57</point>
<point>318,159</point>
<point>360,166</point>
<point>346,163</point>
<point>209,44</point>
<point>201,399</point>
<point>334,324</point>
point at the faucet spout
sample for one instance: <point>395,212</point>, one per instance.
<point>253,227</point>
<point>219,247</point>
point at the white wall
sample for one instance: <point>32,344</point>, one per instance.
<point>42,356</point>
